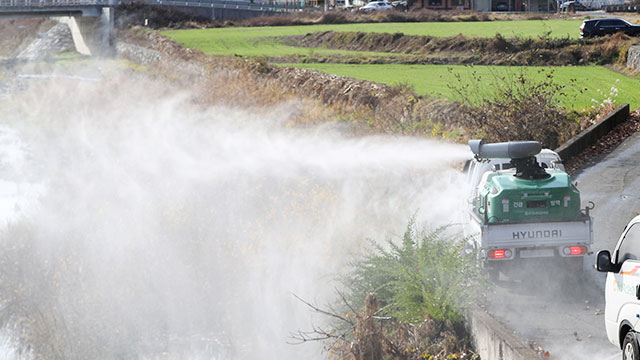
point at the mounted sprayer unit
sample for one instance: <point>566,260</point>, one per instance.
<point>521,153</point>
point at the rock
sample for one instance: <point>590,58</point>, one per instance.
<point>142,55</point>
<point>53,42</point>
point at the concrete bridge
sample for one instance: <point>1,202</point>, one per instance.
<point>92,21</point>
<point>38,8</point>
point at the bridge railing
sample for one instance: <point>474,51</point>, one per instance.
<point>48,3</point>
<point>255,5</point>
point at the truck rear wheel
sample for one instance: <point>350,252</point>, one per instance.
<point>630,349</point>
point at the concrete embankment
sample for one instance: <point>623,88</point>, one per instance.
<point>591,135</point>
<point>493,341</point>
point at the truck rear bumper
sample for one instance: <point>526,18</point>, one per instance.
<point>525,267</point>
<point>535,252</point>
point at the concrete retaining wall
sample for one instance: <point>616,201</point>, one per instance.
<point>591,135</point>
<point>633,57</point>
<point>493,341</point>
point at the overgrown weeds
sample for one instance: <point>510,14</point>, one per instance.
<point>517,107</point>
<point>135,13</point>
<point>520,109</point>
<point>414,293</point>
<point>497,50</point>
<point>424,275</point>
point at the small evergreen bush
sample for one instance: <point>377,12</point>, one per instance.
<point>425,275</point>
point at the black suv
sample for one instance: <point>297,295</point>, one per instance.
<point>601,27</point>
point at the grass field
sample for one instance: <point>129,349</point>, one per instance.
<point>259,41</point>
<point>434,79</point>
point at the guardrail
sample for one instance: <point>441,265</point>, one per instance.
<point>48,3</point>
<point>289,5</point>
<point>274,6</point>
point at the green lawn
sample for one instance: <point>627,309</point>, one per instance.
<point>258,41</point>
<point>433,79</point>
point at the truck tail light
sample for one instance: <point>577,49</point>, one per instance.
<point>574,250</point>
<point>500,254</point>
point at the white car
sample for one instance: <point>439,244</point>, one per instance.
<point>622,291</point>
<point>376,5</point>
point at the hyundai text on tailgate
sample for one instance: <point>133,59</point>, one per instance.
<point>523,207</point>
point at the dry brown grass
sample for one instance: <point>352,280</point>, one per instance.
<point>497,50</point>
<point>528,111</point>
<point>315,96</point>
<point>16,32</point>
<point>414,15</point>
<point>162,17</point>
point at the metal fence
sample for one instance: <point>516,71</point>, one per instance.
<point>10,6</point>
<point>256,5</point>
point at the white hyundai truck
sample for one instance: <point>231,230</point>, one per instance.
<point>522,206</point>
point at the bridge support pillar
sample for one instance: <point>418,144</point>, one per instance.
<point>93,35</point>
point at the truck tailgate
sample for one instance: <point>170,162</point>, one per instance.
<point>537,234</point>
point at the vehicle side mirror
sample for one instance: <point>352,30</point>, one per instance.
<point>603,262</point>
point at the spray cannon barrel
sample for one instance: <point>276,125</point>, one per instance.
<point>521,153</point>
<point>511,149</point>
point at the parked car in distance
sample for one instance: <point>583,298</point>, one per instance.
<point>573,6</point>
<point>400,5</point>
<point>376,5</point>
<point>601,27</point>
<point>622,290</point>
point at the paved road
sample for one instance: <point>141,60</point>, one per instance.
<point>614,185</point>
<point>566,317</point>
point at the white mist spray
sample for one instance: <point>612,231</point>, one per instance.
<point>169,229</point>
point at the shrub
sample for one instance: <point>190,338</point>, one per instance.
<point>518,108</point>
<point>333,18</point>
<point>424,276</point>
<point>414,292</point>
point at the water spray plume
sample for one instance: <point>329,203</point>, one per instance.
<point>150,226</point>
